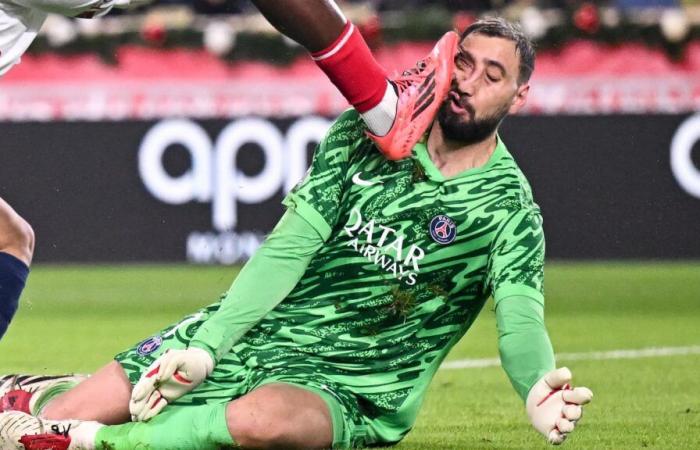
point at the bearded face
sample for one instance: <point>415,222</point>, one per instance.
<point>460,122</point>
<point>485,88</point>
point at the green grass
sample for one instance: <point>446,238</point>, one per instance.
<point>76,318</point>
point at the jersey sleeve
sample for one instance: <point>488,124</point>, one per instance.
<point>285,254</point>
<point>516,265</point>
<point>317,197</point>
<point>523,343</point>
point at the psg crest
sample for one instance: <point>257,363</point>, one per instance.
<point>149,345</point>
<point>443,229</point>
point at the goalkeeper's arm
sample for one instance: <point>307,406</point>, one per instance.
<point>524,346</point>
<point>266,280</point>
<point>527,358</point>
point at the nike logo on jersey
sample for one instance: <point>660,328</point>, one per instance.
<point>360,182</point>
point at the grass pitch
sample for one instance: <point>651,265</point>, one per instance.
<point>74,319</point>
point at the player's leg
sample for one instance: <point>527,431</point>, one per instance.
<point>280,416</point>
<point>28,393</point>
<point>16,235</point>
<point>272,416</point>
<point>340,51</point>
<point>16,251</point>
<point>104,397</point>
<point>314,24</point>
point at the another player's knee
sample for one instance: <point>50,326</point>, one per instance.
<point>26,240</point>
<point>18,239</point>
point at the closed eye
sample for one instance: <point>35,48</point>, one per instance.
<point>462,61</point>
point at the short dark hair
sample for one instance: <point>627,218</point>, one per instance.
<point>499,27</point>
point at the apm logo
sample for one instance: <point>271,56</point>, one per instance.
<point>214,178</point>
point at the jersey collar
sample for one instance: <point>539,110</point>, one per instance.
<point>433,173</point>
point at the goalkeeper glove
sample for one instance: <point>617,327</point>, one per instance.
<point>554,407</point>
<point>171,376</point>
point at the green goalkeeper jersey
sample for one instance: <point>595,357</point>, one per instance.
<point>409,260</point>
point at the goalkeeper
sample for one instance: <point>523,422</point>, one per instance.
<point>332,332</point>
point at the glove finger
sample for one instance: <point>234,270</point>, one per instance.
<point>168,365</point>
<point>556,437</point>
<point>156,402</point>
<point>572,412</point>
<point>143,389</point>
<point>136,408</point>
<point>558,378</point>
<point>139,408</point>
<point>578,396</point>
<point>152,412</point>
<point>564,426</point>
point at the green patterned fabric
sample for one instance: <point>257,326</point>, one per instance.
<point>382,302</point>
<point>409,260</point>
<point>285,253</point>
<point>523,343</point>
<point>232,378</point>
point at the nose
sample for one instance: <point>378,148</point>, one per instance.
<point>465,83</point>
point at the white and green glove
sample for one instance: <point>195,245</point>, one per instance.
<point>554,407</point>
<point>172,375</point>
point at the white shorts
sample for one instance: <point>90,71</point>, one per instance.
<point>19,26</point>
<point>20,21</point>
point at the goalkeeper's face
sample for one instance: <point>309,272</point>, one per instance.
<point>484,89</point>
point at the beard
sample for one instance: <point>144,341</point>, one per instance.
<point>456,127</point>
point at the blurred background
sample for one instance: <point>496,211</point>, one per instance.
<point>170,132</point>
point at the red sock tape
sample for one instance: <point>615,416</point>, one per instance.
<point>351,67</point>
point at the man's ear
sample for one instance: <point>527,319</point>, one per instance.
<point>520,99</point>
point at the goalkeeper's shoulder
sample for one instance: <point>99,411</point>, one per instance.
<point>347,129</point>
<point>346,140</point>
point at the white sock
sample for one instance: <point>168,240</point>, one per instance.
<point>82,435</point>
<point>380,118</point>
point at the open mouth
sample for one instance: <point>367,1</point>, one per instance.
<point>456,104</point>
